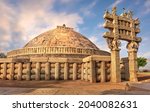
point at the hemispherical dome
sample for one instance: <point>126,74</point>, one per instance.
<point>62,36</point>
<point>60,42</point>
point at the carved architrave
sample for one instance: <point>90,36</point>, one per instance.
<point>113,44</point>
<point>133,46</point>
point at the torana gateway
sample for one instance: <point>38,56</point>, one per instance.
<point>64,54</point>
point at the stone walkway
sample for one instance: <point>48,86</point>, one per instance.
<point>68,88</point>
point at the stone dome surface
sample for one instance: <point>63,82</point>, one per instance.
<point>59,42</point>
<point>62,36</point>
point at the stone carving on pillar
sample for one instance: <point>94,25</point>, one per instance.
<point>113,44</point>
<point>133,46</point>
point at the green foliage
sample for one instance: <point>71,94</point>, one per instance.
<point>141,61</point>
<point>2,55</point>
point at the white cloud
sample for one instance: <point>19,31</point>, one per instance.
<point>66,1</point>
<point>116,3</point>
<point>100,25</point>
<point>87,10</point>
<point>5,24</point>
<point>146,54</point>
<point>137,2</point>
<point>102,45</point>
<point>26,19</point>
<point>147,65</point>
<point>147,6</point>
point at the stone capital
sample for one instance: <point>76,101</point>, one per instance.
<point>114,44</point>
<point>132,46</point>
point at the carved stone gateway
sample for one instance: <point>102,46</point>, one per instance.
<point>122,27</point>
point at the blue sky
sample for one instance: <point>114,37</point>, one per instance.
<point>22,20</point>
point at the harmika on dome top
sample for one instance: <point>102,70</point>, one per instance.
<point>62,41</point>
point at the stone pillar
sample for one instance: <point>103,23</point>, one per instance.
<point>115,66</point>
<point>92,72</point>
<point>86,71</point>
<point>28,71</point>
<point>133,65</point>
<point>66,71</point>
<point>56,71</point>
<point>19,76</point>
<point>82,71</point>
<point>114,44</point>
<point>132,53</point>
<point>126,68</point>
<point>37,77</point>
<point>103,72</point>
<point>4,71</point>
<point>47,71</point>
<point>12,67</point>
<point>74,71</point>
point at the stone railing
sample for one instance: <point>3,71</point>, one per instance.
<point>51,50</point>
<point>92,68</point>
<point>40,69</point>
<point>96,69</point>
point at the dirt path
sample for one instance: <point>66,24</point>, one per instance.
<point>66,88</point>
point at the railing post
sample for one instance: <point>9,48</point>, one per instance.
<point>19,76</point>
<point>28,71</point>
<point>38,71</point>
<point>103,72</point>
<point>56,71</point>
<point>74,71</point>
<point>66,71</point>
<point>4,71</point>
<point>47,71</point>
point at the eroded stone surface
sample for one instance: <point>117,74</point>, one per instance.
<point>61,36</point>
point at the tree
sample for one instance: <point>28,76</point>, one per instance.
<point>2,55</point>
<point>141,62</point>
